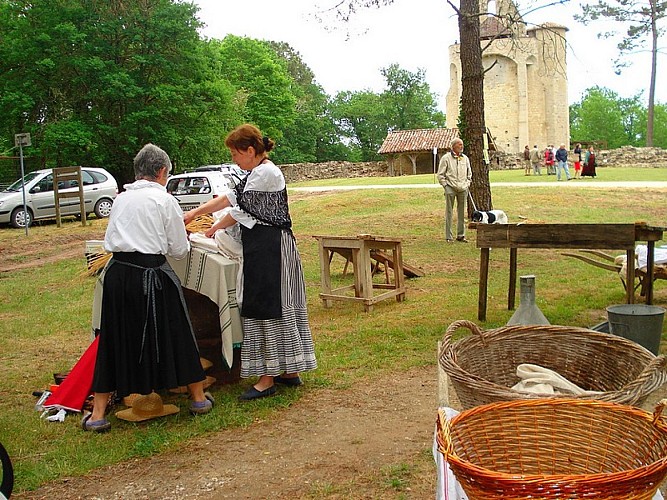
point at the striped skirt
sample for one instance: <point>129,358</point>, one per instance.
<point>281,345</point>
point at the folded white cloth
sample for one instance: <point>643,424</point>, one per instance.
<point>641,258</point>
<point>198,240</point>
<point>659,256</point>
<point>540,380</point>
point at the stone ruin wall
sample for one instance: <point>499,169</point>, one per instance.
<point>627,156</point>
<point>622,157</point>
<point>296,172</point>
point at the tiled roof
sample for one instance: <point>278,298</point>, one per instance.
<point>405,141</point>
<point>493,27</point>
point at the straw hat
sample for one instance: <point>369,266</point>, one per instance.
<point>129,400</point>
<point>147,407</point>
<point>205,363</point>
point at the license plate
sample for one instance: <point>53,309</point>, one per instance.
<point>185,208</point>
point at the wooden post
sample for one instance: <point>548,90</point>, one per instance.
<point>68,176</point>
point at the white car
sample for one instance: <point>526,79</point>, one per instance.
<point>196,188</point>
<point>99,191</point>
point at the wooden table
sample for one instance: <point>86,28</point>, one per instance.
<point>559,236</point>
<point>359,248</point>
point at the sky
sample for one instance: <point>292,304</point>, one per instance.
<point>415,34</point>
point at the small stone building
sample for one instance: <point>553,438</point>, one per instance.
<point>412,151</point>
<point>525,84</point>
<point>418,151</point>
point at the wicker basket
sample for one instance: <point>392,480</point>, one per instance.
<point>556,449</point>
<point>482,366</point>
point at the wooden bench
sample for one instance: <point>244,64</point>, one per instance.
<point>361,251</point>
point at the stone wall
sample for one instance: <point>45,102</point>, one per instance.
<point>296,172</point>
<point>627,156</point>
<point>630,156</point>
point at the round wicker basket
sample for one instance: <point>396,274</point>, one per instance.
<point>556,449</point>
<point>482,366</point>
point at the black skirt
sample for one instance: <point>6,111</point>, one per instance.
<point>146,338</point>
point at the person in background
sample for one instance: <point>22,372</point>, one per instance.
<point>146,342</point>
<point>455,175</point>
<point>589,163</point>
<point>561,158</point>
<point>526,160</point>
<point>536,160</point>
<point>549,159</point>
<point>577,161</point>
<point>277,342</point>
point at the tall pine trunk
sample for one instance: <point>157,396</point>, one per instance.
<point>472,103</point>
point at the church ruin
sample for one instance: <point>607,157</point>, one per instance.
<point>525,85</point>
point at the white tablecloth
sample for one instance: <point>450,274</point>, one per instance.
<point>211,274</point>
<point>214,276</point>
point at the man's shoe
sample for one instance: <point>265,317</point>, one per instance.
<point>253,393</point>
<point>102,425</point>
<point>290,381</point>
<point>462,239</point>
<point>202,407</point>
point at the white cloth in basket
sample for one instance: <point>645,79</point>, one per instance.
<point>448,488</point>
<point>540,380</point>
<point>228,243</point>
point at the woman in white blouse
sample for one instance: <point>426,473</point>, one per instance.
<point>277,342</point>
<point>146,341</point>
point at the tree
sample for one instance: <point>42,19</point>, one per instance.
<point>660,131</point>
<point>94,80</point>
<point>261,80</point>
<point>472,95</point>
<point>409,103</point>
<point>312,136</point>
<point>642,18</point>
<point>602,115</point>
<point>472,101</point>
<point>361,118</point>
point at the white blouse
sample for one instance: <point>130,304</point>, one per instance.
<point>264,177</point>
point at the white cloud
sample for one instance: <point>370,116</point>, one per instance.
<point>413,33</point>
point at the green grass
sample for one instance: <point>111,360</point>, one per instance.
<point>45,313</point>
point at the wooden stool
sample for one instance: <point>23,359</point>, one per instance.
<point>361,251</point>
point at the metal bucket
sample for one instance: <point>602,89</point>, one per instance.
<point>639,323</point>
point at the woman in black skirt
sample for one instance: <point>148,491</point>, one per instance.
<point>146,339</point>
<point>589,163</point>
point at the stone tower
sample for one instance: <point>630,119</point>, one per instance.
<point>525,84</point>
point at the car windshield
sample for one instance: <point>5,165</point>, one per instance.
<point>188,185</point>
<point>16,186</point>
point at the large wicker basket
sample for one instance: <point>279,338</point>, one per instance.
<point>482,366</point>
<point>556,449</point>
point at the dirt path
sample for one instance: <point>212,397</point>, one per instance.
<point>333,443</point>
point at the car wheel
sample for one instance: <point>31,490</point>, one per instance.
<point>103,208</point>
<point>18,218</point>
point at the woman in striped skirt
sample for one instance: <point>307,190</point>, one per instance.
<point>277,342</point>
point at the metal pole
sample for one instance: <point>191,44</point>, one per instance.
<point>435,162</point>
<point>25,205</point>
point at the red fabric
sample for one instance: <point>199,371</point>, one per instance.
<point>73,391</point>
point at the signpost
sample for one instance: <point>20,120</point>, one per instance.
<point>21,140</point>
<point>435,162</point>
